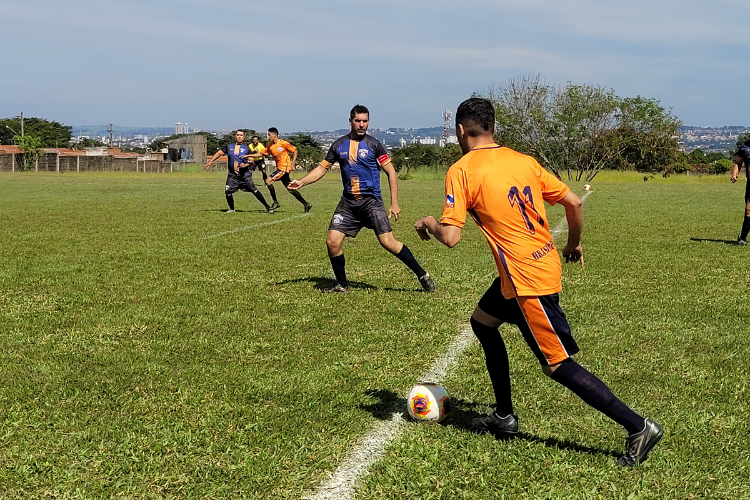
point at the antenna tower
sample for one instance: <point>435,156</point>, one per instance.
<point>447,115</point>
<point>109,129</point>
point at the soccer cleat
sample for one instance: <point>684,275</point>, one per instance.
<point>741,242</point>
<point>499,427</point>
<point>275,205</point>
<point>308,206</point>
<point>639,444</point>
<point>270,210</point>
<point>337,288</point>
<point>229,212</point>
<point>427,284</point>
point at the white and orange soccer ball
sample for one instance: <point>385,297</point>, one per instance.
<point>428,402</point>
<point>587,187</point>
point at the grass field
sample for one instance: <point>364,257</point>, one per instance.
<point>153,346</point>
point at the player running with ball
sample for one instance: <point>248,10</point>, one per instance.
<point>504,191</point>
<point>361,157</point>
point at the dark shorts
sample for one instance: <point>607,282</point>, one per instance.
<point>747,191</point>
<point>541,321</point>
<point>351,215</point>
<point>260,165</point>
<point>240,182</point>
<point>281,175</point>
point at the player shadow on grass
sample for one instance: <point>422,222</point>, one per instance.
<point>726,242</point>
<point>460,416</point>
<point>321,283</point>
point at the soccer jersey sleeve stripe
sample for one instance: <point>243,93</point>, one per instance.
<point>325,164</point>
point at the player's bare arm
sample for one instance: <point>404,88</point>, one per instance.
<point>294,160</point>
<point>735,169</point>
<point>213,158</point>
<point>315,175</point>
<point>390,171</point>
<point>574,214</point>
<point>446,234</point>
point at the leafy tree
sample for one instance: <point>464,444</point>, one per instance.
<point>51,134</point>
<point>32,150</point>
<point>309,151</point>
<point>741,141</point>
<point>581,129</point>
<point>697,156</point>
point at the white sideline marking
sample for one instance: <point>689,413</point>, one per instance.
<point>341,484</point>
<point>245,228</point>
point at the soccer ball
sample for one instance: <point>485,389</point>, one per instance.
<point>587,187</point>
<point>428,402</point>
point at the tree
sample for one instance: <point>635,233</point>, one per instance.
<point>741,141</point>
<point>32,150</point>
<point>581,129</point>
<point>88,143</point>
<point>309,151</point>
<point>51,134</point>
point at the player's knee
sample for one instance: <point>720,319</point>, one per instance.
<point>550,369</point>
<point>334,246</point>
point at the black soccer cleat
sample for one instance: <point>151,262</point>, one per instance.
<point>308,207</point>
<point>275,206</point>
<point>499,427</point>
<point>337,288</point>
<point>427,284</point>
<point>639,444</point>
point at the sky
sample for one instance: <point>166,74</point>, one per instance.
<point>300,65</point>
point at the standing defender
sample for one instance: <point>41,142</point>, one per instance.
<point>361,156</point>
<point>504,191</point>
<point>742,160</point>
<point>239,175</point>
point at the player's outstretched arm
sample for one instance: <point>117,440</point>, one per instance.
<point>446,234</point>
<point>213,158</point>
<point>314,175</point>
<point>390,171</point>
<point>574,214</point>
<point>735,170</point>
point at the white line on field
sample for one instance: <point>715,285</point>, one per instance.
<point>341,484</point>
<point>253,226</point>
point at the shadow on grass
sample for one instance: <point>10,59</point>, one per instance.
<point>460,416</point>
<point>726,242</point>
<point>321,283</point>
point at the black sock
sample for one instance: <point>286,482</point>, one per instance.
<point>230,201</point>
<point>272,190</point>
<point>745,228</point>
<point>496,358</point>
<point>297,195</point>
<point>339,269</point>
<point>596,394</point>
<point>259,195</point>
<point>407,258</point>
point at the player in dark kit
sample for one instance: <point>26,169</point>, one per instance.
<point>361,157</point>
<point>504,191</point>
<point>742,160</point>
<point>257,147</point>
<point>239,175</point>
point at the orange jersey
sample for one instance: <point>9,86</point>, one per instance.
<point>504,191</point>
<point>280,152</point>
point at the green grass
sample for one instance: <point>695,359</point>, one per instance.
<point>143,361</point>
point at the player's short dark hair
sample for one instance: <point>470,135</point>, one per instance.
<point>747,143</point>
<point>255,137</point>
<point>358,110</point>
<point>477,116</point>
<point>274,130</point>
<point>239,130</point>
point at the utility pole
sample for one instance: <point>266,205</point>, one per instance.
<point>109,129</point>
<point>21,124</point>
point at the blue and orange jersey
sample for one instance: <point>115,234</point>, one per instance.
<point>233,152</point>
<point>360,163</point>
<point>280,152</point>
<point>504,191</point>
